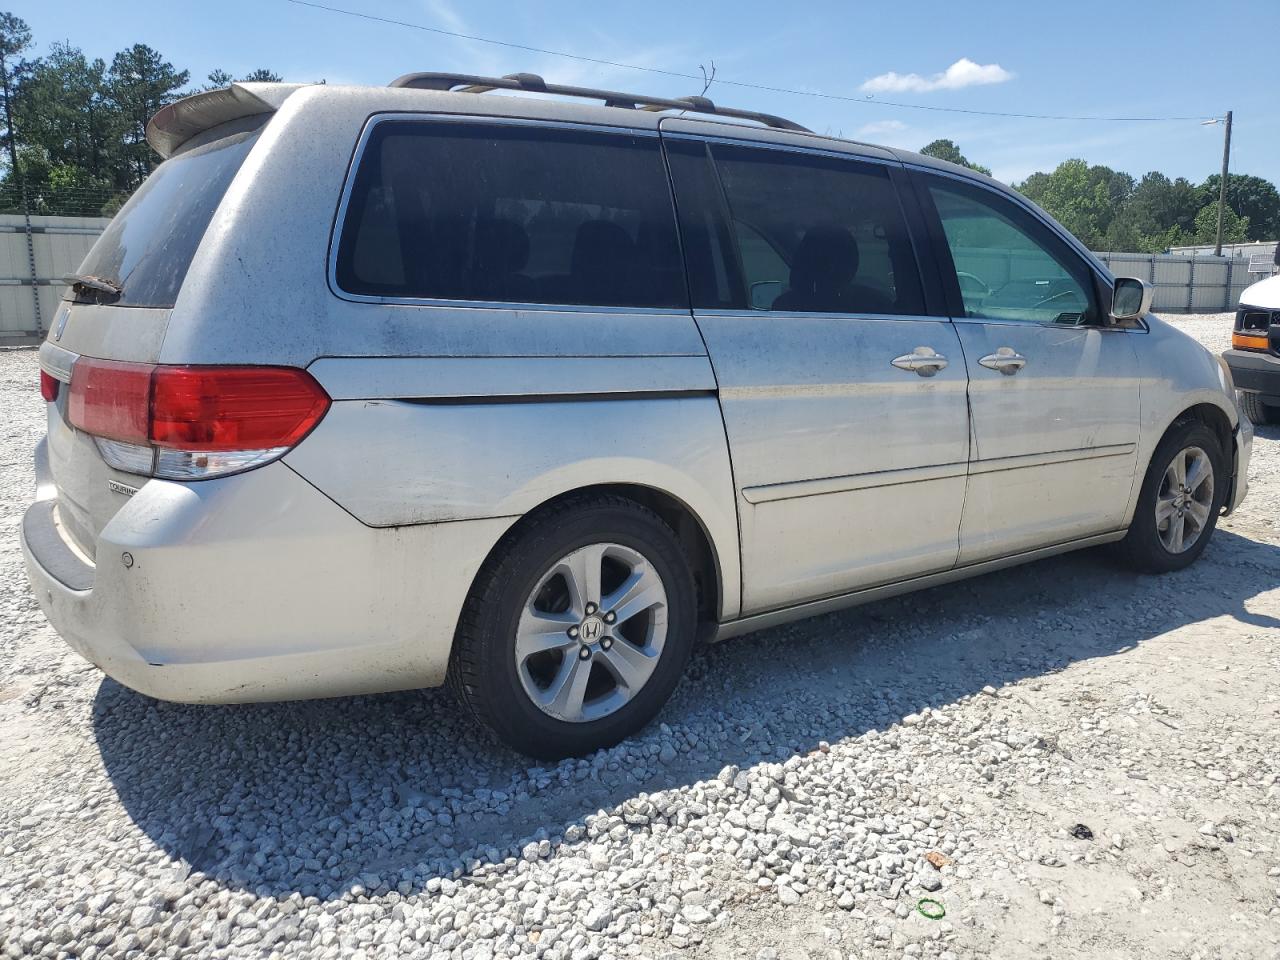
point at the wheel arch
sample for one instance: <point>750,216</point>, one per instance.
<point>704,558</point>
<point>1204,406</point>
<point>714,565</point>
<point>1216,419</point>
<point>1212,416</point>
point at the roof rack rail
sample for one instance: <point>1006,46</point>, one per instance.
<point>532,83</point>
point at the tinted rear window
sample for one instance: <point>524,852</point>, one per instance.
<point>148,247</point>
<point>817,233</point>
<point>792,231</point>
<point>511,213</point>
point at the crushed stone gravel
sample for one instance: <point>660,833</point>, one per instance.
<point>805,789</point>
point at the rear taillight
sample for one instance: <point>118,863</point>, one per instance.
<point>192,422</point>
<point>110,399</point>
<point>48,386</point>
<point>233,408</point>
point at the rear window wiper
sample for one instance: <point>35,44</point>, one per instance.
<point>90,289</point>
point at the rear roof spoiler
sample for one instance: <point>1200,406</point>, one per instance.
<point>177,123</point>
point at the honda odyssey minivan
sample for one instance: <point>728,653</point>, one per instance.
<point>370,389</point>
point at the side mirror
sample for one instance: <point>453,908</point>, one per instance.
<point>764,292</point>
<point>1130,298</point>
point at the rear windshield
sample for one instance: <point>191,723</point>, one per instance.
<point>148,247</point>
<point>511,213</point>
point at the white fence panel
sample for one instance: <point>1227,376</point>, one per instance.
<point>58,245</point>
<point>1186,284</point>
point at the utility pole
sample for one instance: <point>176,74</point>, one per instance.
<point>1222,187</point>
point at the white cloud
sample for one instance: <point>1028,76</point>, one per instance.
<point>963,73</point>
<point>458,53</point>
<point>446,16</point>
<point>881,127</point>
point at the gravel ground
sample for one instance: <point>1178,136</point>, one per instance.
<point>1074,761</point>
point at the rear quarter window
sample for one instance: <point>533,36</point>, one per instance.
<point>147,249</point>
<point>510,214</point>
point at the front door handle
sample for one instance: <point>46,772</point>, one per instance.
<point>1007,360</point>
<point>923,360</point>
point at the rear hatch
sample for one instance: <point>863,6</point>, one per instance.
<point>120,310</point>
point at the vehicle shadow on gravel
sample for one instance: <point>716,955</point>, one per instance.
<point>392,792</point>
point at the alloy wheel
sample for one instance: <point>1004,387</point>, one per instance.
<point>1185,499</point>
<point>591,632</point>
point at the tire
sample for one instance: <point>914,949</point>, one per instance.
<point>1255,409</point>
<point>1147,545</point>
<point>518,655</point>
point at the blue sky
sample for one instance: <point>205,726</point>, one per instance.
<point>1084,58</point>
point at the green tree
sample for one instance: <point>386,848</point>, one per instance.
<point>62,189</point>
<point>65,112</point>
<point>1158,214</point>
<point>949,151</point>
<point>1122,234</point>
<point>262,76</point>
<point>15,37</point>
<point>1254,198</point>
<point>1158,204</point>
<point>1235,228</point>
<point>141,81</point>
<point>76,127</point>
<point>221,78</point>
<point>1082,198</point>
<point>218,79</point>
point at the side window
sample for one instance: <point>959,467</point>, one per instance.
<point>764,264</point>
<point>818,234</point>
<point>510,213</point>
<point>714,281</point>
<point>1009,266</point>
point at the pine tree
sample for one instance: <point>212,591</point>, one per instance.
<point>141,81</point>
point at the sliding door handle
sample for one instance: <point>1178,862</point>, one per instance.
<point>1006,360</point>
<point>923,360</point>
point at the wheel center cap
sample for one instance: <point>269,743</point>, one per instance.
<point>591,630</point>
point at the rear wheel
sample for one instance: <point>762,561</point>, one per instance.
<point>1180,500</point>
<point>1256,410</point>
<point>578,628</point>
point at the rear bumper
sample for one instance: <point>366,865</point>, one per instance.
<point>255,587</point>
<point>1255,372</point>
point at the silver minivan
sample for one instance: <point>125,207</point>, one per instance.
<point>376,388</point>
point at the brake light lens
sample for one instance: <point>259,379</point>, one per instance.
<point>193,422</point>
<point>234,408</point>
<point>1249,341</point>
<point>110,399</point>
<point>48,386</point>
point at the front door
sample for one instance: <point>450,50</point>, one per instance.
<point>843,400</point>
<point>1053,391</point>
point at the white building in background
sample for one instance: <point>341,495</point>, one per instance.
<point>1263,256</point>
<point>1254,248</point>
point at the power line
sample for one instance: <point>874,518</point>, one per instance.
<point>728,83</point>
<point>498,43</point>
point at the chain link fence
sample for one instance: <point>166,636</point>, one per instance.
<point>60,200</point>
<point>45,231</point>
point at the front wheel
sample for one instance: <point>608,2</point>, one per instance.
<point>578,629</point>
<point>1257,411</point>
<point>1180,501</point>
